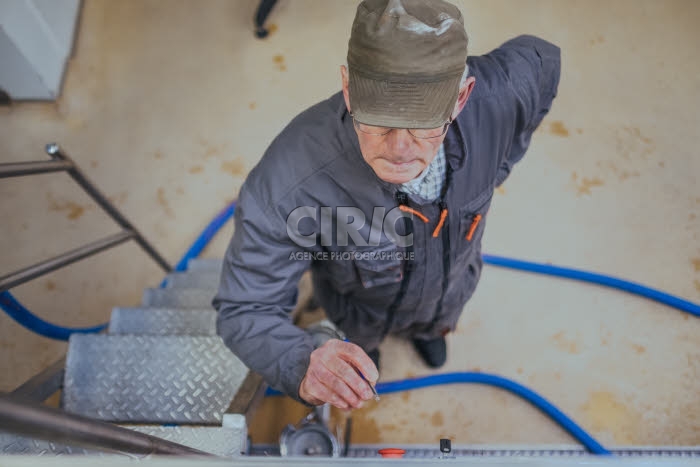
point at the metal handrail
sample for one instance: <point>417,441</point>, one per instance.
<point>25,275</point>
<point>41,422</point>
<point>17,169</point>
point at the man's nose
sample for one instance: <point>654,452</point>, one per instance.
<point>399,141</point>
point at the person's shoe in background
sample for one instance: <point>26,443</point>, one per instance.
<point>432,351</point>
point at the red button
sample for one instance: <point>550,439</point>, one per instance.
<point>392,453</point>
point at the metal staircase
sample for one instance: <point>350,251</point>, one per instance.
<point>159,365</point>
<point>159,370</point>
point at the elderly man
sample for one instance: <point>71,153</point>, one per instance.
<point>382,192</point>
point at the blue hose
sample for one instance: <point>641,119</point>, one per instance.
<point>595,278</point>
<point>500,382</point>
<point>32,322</point>
<point>204,238</point>
<point>29,320</point>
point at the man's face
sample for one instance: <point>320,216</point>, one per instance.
<point>398,157</point>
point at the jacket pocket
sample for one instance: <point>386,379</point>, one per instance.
<point>355,271</point>
<point>379,266</point>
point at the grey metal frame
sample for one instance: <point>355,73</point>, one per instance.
<point>61,162</point>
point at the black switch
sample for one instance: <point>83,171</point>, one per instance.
<point>445,446</point>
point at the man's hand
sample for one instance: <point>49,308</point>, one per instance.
<point>333,376</point>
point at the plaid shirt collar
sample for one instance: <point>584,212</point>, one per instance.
<point>428,184</point>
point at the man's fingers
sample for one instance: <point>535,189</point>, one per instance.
<point>355,356</point>
<point>338,386</point>
<point>343,370</point>
<point>332,376</point>
<point>325,394</point>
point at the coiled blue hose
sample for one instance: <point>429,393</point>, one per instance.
<point>29,320</point>
<point>511,386</point>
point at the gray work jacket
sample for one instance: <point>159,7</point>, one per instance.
<point>401,276</point>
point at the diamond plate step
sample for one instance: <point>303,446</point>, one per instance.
<point>163,321</point>
<point>193,280</point>
<point>151,379</point>
<point>178,298</point>
<point>11,444</point>
<point>205,264</point>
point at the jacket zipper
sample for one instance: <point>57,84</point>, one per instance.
<point>402,199</point>
<point>445,246</point>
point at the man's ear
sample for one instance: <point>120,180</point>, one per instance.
<point>464,91</point>
<point>346,81</point>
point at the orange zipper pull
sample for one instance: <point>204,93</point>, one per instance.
<point>441,222</point>
<point>418,214</point>
<point>472,228</point>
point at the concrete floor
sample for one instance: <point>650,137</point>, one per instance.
<point>167,106</point>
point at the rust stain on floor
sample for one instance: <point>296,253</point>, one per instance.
<point>406,396</point>
<point>93,164</point>
<point>271,29</point>
<point>158,155</point>
<point>388,427</point>
<point>639,349</point>
<point>501,190</point>
<point>597,40</point>
<point>163,202</point>
<point>252,105</point>
<point>73,210</point>
<point>196,169</point>
<point>119,198</point>
<point>437,419</point>
<point>364,427</point>
<point>278,60</point>
<point>631,142</point>
<point>604,412</point>
<point>584,188</point>
<point>696,264</point>
<point>272,416</point>
<point>211,151</point>
<point>567,345</point>
<point>234,167</point>
<point>50,285</point>
<point>697,287</point>
<point>557,128</point>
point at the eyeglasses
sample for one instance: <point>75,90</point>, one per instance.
<point>420,133</point>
